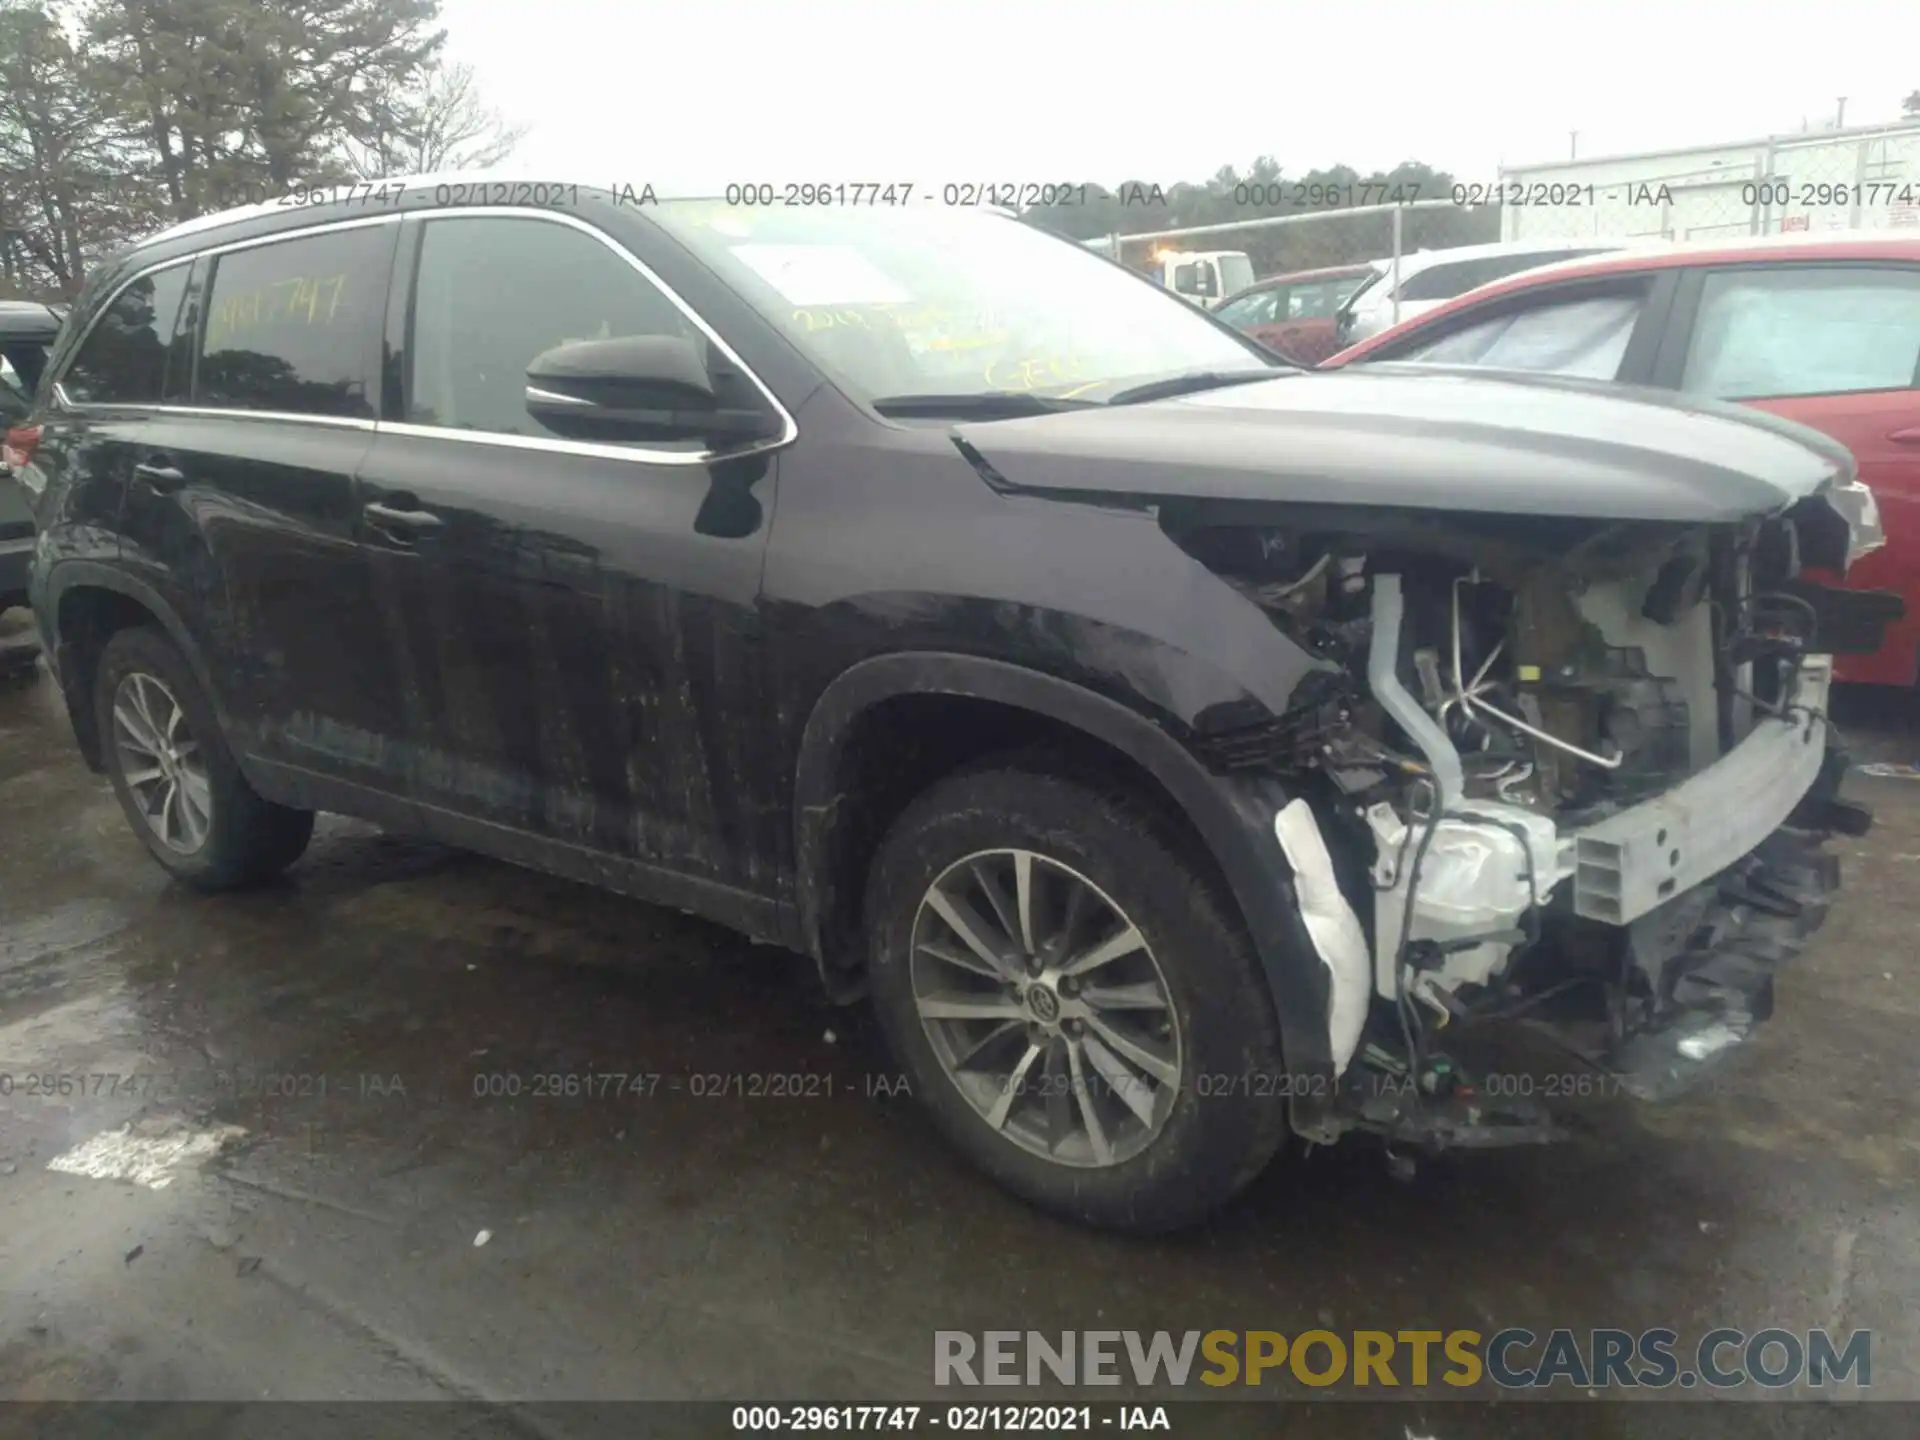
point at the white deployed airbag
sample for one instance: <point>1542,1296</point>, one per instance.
<point>1332,926</point>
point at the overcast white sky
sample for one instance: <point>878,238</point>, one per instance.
<point>696,94</point>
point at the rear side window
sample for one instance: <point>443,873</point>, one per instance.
<point>124,358</point>
<point>1443,282</point>
<point>1764,332</point>
<point>1586,338</point>
<point>494,293</point>
<point>291,325</point>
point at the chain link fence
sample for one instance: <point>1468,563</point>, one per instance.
<point>1864,179</point>
<point>1302,244</point>
<point>1806,184</point>
<point>1322,239</point>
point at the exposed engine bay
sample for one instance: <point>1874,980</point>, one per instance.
<point>1612,740</point>
<point>1545,752</point>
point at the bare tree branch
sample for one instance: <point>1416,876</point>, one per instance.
<point>443,125</point>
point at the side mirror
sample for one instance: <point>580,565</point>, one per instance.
<point>635,387</point>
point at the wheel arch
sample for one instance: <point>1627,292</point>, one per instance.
<point>84,603</point>
<point>1231,817</point>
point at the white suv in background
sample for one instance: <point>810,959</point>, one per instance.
<point>1429,277</point>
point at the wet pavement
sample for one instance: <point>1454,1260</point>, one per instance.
<point>420,1047</point>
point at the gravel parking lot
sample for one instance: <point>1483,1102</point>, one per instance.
<point>395,1027</point>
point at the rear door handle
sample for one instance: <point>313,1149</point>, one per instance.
<point>1909,436</point>
<point>164,478</point>
<point>405,522</point>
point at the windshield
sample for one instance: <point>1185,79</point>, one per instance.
<point>16,390</point>
<point>921,302</point>
<point>21,362</point>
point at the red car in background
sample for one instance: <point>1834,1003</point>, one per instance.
<point>1294,314</point>
<point>1824,330</point>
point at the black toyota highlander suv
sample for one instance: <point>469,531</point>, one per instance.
<point>1176,747</point>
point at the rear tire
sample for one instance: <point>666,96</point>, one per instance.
<point>1125,1108</point>
<point>175,778</point>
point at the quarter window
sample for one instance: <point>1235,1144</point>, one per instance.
<point>1805,331</point>
<point>493,293</point>
<point>124,358</point>
<point>292,325</point>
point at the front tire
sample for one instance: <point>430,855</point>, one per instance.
<point>1073,999</point>
<point>175,778</point>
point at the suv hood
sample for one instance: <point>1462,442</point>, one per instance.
<point>1424,438</point>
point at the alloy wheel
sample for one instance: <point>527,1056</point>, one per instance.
<point>161,762</point>
<point>1046,1008</point>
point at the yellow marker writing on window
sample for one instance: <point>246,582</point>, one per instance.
<point>298,299</point>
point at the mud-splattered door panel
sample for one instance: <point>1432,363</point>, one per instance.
<point>575,657</point>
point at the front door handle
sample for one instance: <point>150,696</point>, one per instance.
<point>164,478</point>
<point>404,522</point>
<point>1909,436</point>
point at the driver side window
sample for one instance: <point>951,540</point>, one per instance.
<point>493,292</point>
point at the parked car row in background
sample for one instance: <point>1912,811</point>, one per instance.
<point>1296,314</point>
<point>1430,278</point>
<point>1823,330</point>
<point>1307,315</point>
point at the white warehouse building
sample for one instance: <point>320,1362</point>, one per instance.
<point>1866,177</point>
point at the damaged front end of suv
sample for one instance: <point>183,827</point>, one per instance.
<point>1560,759</point>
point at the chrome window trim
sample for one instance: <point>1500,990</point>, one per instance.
<point>789,430</point>
<point>212,412</point>
<point>59,391</point>
<point>564,447</point>
<point>425,180</point>
<point>299,233</point>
